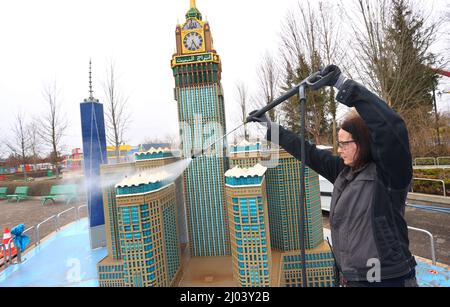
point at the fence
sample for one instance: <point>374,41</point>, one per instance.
<point>436,161</point>
<point>431,180</point>
<point>36,231</point>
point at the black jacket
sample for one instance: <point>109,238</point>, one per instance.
<point>367,207</point>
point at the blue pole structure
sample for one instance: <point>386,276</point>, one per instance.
<point>94,151</point>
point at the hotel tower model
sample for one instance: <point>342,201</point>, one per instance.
<point>144,222</point>
<point>283,197</point>
<point>198,91</point>
<point>249,226</point>
<point>148,232</point>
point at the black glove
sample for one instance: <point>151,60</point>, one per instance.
<point>262,119</point>
<point>329,76</point>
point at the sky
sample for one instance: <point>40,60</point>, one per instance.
<point>48,41</point>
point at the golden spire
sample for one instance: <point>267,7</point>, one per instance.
<point>192,3</point>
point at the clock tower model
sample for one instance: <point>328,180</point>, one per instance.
<point>198,91</point>
<point>194,36</point>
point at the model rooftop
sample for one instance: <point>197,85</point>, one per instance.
<point>237,172</point>
<point>238,176</point>
<point>154,153</point>
<point>143,183</point>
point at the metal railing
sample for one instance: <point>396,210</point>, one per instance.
<point>78,211</point>
<point>433,251</point>
<point>37,234</point>
<point>38,227</point>
<point>433,180</point>
<point>29,229</point>
<point>56,218</point>
<point>425,158</point>
<point>58,226</point>
<point>7,255</point>
<point>18,252</point>
<point>440,158</point>
<point>436,161</point>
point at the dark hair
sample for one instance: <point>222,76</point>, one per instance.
<point>356,126</point>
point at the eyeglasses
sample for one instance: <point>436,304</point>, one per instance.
<point>344,144</point>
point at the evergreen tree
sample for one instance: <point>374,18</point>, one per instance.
<point>317,124</point>
<point>410,80</point>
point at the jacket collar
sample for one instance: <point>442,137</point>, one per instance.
<point>350,174</point>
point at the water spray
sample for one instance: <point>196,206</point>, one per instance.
<point>203,150</point>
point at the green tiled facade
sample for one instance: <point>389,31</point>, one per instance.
<point>128,228</point>
<point>320,268</point>
<point>201,108</point>
<point>111,274</point>
<point>110,206</point>
<point>149,241</point>
<point>283,196</point>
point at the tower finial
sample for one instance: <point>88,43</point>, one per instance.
<point>91,96</point>
<point>193,11</point>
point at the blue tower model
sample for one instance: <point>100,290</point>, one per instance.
<point>94,150</point>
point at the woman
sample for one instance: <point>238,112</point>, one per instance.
<point>371,178</point>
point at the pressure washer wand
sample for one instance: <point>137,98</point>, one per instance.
<point>310,81</point>
<point>292,92</point>
<point>196,155</point>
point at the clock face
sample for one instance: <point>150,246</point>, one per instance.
<point>193,41</point>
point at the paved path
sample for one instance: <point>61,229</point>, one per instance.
<point>64,259</point>
<point>30,212</point>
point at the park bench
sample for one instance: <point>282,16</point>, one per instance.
<point>3,191</point>
<point>19,194</point>
<point>65,192</point>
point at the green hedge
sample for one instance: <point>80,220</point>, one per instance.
<point>430,187</point>
<point>435,173</point>
<point>19,176</point>
<point>444,161</point>
<point>42,187</point>
<point>425,161</point>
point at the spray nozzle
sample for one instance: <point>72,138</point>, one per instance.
<point>198,153</point>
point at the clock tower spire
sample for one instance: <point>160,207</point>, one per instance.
<point>198,91</point>
<point>193,37</point>
<point>193,11</point>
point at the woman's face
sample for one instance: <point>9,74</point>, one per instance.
<point>347,147</point>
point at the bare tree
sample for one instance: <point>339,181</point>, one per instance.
<point>332,53</point>
<point>19,143</point>
<point>392,54</point>
<point>301,43</point>
<point>243,105</point>
<point>269,80</point>
<point>117,118</point>
<point>35,145</point>
<point>52,124</point>
<point>368,20</point>
<point>166,139</point>
<point>393,57</point>
<point>4,150</point>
